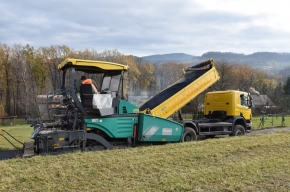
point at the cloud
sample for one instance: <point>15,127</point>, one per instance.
<point>145,27</point>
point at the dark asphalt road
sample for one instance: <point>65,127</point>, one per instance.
<point>10,154</point>
<point>17,153</point>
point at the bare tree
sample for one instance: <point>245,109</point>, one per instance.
<point>5,72</point>
<point>227,77</point>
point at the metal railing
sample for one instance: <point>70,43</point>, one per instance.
<point>272,119</point>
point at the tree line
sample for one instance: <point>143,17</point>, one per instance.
<point>26,72</point>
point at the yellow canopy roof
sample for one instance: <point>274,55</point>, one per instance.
<point>102,65</point>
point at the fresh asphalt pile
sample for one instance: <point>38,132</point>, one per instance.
<point>18,153</point>
<point>171,90</point>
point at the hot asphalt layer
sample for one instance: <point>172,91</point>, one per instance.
<point>10,154</point>
<point>17,153</point>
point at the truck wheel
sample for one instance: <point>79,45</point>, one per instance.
<point>189,135</point>
<point>238,131</point>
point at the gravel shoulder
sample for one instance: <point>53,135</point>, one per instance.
<point>269,130</point>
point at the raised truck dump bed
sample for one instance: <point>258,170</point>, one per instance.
<point>196,79</point>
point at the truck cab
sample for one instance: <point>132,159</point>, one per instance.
<point>225,113</point>
<point>231,103</point>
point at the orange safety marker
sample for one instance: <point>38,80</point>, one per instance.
<point>135,130</point>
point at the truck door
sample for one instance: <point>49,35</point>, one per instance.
<point>243,106</point>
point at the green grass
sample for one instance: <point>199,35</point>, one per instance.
<point>248,163</point>
<point>270,121</point>
<point>21,132</point>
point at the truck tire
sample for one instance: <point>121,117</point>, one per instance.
<point>189,135</point>
<point>239,130</point>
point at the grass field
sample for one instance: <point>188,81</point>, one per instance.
<point>270,121</point>
<point>21,132</point>
<point>248,163</point>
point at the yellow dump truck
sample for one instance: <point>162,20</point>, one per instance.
<point>225,112</point>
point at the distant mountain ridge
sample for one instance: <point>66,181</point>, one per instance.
<point>262,56</point>
<point>168,57</point>
<point>257,56</point>
<point>272,62</point>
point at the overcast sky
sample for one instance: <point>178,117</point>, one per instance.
<point>149,27</point>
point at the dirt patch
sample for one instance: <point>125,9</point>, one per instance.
<point>269,130</point>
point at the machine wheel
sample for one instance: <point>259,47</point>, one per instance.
<point>239,130</point>
<point>189,135</point>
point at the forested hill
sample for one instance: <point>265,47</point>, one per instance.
<point>268,61</point>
